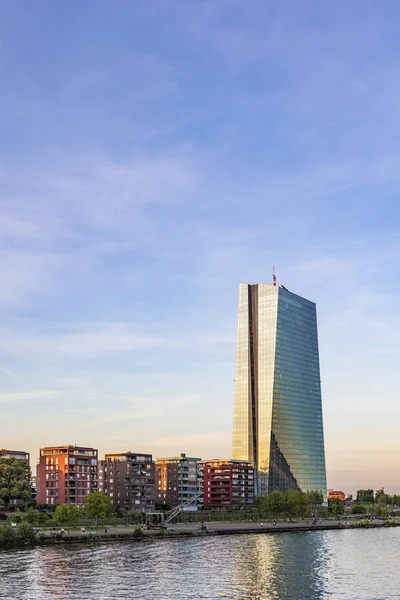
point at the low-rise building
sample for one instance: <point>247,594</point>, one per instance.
<point>67,474</point>
<point>128,479</point>
<point>336,494</point>
<point>228,484</point>
<point>14,454</point>
<point>178,480</point>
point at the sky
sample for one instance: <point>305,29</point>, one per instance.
<point>155,154</point>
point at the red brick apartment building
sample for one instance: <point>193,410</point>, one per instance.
<point>228,484</point>
<point>67,474</point>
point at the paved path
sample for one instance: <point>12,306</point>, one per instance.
<point>234,525</point>
<point>211,526</point>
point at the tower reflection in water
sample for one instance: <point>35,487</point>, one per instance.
<point>282,567</point>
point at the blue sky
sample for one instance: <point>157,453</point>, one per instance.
<point>153,155</point>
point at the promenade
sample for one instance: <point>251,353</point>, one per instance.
<point>194,529</point>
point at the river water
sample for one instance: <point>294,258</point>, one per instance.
<point>345,565</point>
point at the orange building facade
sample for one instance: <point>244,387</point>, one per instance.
<point>336,494</point>
<point>67,474</point>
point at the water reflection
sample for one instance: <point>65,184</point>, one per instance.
<point>346,565</point>
<point>282,567</point>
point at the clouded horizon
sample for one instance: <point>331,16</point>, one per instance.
<point>154,155</point>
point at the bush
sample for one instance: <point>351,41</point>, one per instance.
<point>42,519</point>
<point>17,517</point>
<point>389,523</point>
<point>138,532</point>
<point>3,516</point>
<point>365,523</point>
<point>31,516</point>
<point>15,536</point>
<point>25,533</point>
<point>358,509</point>
<point>7,536</point>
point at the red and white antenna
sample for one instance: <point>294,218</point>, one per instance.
<point>273,276</point>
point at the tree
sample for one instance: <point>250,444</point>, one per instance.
<point>365,496</point>
<point>31,515</point>
<point>358,509</point>
<point>261,505</point>
<point>275,503</point>
<point>98,505</point>
<point>295,504</point>
<point>336,506</point>
<point>68,514</point>
<point>382,499</point>
<point>14,480</point>
<point>42,519</point>
<point>17,517</point>
<point>314,498</point>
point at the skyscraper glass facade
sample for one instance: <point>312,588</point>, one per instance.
<point>278,409</point>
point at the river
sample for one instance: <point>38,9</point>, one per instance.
<point>345,565</point>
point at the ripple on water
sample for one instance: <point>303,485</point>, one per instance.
<point>346,565</point>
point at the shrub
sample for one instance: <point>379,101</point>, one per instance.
<point>358,509</point>
<point>25,533</point>
<point>14,536</point>
<point>137,532</point>
<point>17,517</point>
<point>7,536</point>
<point>31,515</point>
<point>365,523</point>
<point>389,523</point>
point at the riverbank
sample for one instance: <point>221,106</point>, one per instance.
<point>216,528</point>
<point>193,530</point>
<point>325,564</point>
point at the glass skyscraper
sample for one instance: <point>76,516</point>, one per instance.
<point>278,407</point>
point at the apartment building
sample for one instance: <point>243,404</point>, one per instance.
<point>67,474</point>
<point>178,479</point>
<point>228,484</point>
<point>14,454</point>
<point>128,479</point>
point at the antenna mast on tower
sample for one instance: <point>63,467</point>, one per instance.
<point>273,276</point>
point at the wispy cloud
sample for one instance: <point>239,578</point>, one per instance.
<point>146,407</point>
<point>143,179</point>
<point>97,339</point>
<point>27,396</point>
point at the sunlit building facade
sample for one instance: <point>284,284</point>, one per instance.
<point>278,409</point>
<point>67,474</point>
<point>178,480</point>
